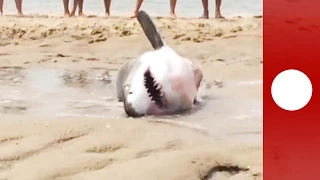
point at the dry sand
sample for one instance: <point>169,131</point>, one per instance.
<point>34,147</point>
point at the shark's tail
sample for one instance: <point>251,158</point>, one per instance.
<point>150,30</point>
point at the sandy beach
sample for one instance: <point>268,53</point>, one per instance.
<point>59,118</point>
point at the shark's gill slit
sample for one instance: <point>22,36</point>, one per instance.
<point>153,88</point>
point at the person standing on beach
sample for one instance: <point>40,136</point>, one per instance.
<point>206,9</point>
<point>172,8</point>
<point>18,6</point>
<point>76,4</point>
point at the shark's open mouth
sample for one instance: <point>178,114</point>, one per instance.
<point>153,89</point>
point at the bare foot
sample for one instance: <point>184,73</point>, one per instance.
<point>20,14</point>
<point>107,14</point>
<point>73,13</point>
<point>81,14</point>
<point>173,16</point>
<point>66,15</point>
<point>135,14</point>
<point>204,17</point>
<point>86,16</point>
<point>219,16</point>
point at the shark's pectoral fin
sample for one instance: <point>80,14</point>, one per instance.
<point>197,76</point>
<point>198,99</point>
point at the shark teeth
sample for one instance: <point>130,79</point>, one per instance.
<point>153,89</point>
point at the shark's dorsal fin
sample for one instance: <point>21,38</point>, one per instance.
<point>150,30</point>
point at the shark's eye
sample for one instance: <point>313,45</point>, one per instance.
<point>153,88</point>
<point>127,89</point>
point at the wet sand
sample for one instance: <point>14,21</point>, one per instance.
<point>59,118</point>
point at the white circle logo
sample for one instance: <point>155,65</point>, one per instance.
<point>291,90</point>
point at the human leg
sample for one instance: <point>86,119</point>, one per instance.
<point>172,8</point>
<point>107,4</point>
<point>66,8</point>
<point>1,7</point>
<point>80,5</point>
<point>138,5</point>
<point>75,6</point>
<point>218,13</point>
<point>19,7</point>
<point>205,14</point>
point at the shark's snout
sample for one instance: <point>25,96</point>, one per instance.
<point>130,111</point>
<point>128,106</point>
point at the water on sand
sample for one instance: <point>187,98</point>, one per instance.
<point>61,92</point>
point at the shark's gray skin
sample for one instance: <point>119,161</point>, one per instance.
<point>159,82</point>
<point>124,79</point>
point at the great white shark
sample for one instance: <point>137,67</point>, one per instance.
<point>159,82</point>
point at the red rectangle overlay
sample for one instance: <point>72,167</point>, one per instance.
<point>291,41</point>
